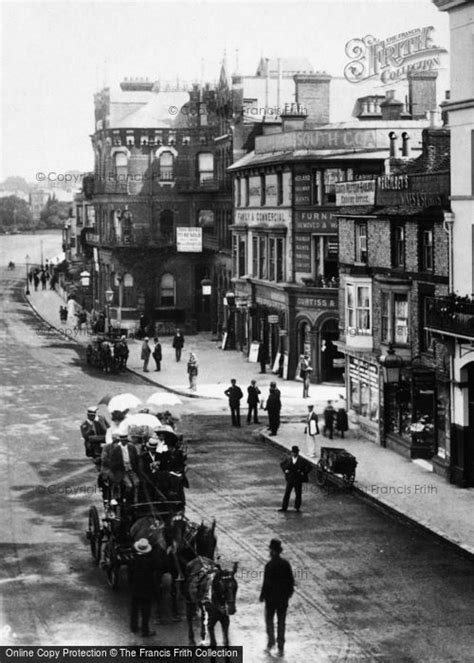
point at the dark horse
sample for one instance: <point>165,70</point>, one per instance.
<point>214,591</point>
<point>175,541</point>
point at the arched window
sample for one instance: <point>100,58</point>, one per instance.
<point>166,166</point>
<point>128,291</point>
<point>121,166</point>
<point>167,225</point>
<point>167,290</point>
<point>205,166</point>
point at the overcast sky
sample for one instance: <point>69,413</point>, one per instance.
<point>55,55</point>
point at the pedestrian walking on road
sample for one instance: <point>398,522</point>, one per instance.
<point>178,342</point>
<point>234,394</point>
<point>273,407</point>
<point>253,399</point>
<point>296,470</point>
<point>311,430</point>
<point>43,279</point>
<point>36,280</point>
<point>305,374</point>
<point>145,355</point>
<point>192,371</point>
<point>277,589</point>
<point>329,415</point>
<point>262,356</point>
<point>141,573</point>
<point>157,356</point>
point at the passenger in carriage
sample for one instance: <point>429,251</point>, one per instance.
<point>93,431</point>
<point>123,468</point>
<point>148,468</point>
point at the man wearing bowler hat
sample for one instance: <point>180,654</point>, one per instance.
<point>296,470</point>
<point>278,586</point>
<point>141,571</point>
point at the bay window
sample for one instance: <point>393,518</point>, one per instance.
<point>358,308</point>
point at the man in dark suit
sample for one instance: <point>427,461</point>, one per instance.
<point>178,342</point>
<point>253,399</point>
<point>148,467</point>
<point>278,586</point>
<point>123,466</point>
<point>93,431</point>
<point>141,570</point>
<point>296,470</point>
<point>234,394</point>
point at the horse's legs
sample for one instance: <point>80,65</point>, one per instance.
<point>190,611</point>
<point>225,621</point>
<point>204,622</point>
<point>211,627</point>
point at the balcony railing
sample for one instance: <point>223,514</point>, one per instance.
<point>451,315</point>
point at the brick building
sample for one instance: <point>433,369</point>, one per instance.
<point>451,319</point>
<point>285,230</point>
<point>393,258</point>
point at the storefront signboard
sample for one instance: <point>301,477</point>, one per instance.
<point>263,216</point>
<point>360,192</point>
<point>189,240</point>
<point>315,221</point>
<point>316,302</point>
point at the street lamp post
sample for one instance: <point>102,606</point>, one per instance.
<point>391,365</point>
<point>109,296</point>
<point>27,260</point>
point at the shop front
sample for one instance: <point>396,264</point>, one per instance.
<point>363,395</point>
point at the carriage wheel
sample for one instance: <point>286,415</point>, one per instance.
<point>94,534</point>
<point>111,565</point>
<point>321,476</point>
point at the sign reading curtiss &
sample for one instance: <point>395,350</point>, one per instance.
<point>393,58</point>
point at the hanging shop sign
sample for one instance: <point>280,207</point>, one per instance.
<point>392,59</point>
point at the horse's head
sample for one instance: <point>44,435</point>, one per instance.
<point>206,540</point>
<point>176,528</point>
<point>224,590</point>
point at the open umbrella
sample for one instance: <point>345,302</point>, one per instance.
<point>161,398</point>
<point>143,419</point>
<point>123,402</point>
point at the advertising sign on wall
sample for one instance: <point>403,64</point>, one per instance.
<point>189,240</point>
<point>361,192</point>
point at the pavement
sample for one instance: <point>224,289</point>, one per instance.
<point>409,489</point>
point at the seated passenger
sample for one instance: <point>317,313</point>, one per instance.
<point>93,431</point>
<point>123,467</point>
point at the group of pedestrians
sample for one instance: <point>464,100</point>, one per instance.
<point>42,275</point>
<point>272,406</point>
<point>334,420</point>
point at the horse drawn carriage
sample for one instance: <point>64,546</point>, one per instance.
<point>107,352</point>
<point>154,511</point>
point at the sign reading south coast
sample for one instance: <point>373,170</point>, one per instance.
<point>393,58</point>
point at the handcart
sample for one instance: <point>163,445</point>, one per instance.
<point>335,461</point>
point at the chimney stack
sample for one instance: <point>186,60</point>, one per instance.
<point>422,93</point>
<point>391,108</point>
<point>293,117</point>
<point>312,94</point>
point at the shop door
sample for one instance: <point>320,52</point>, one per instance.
<point>331,360</point>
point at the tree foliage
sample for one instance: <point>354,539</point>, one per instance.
<point>54,213</point>
<point>15,214</point>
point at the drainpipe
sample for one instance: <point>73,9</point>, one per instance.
<point>448,223</point>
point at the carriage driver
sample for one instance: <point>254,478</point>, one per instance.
<point>93,430</point>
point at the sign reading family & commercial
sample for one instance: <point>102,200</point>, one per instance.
<point>189,240</point>
<point>393,58</point>
<point>361,192</point>
<point>256,216</point>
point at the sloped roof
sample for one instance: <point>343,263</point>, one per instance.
<point>163,109</point>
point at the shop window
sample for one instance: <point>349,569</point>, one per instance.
<point>128,299</point>
<point>167,225</point>
<point>361,242</point>
<point>238,192</point>
<point>330,177</point>
<point>394,318</point>
<point>358,308</point>
<point>166,166</point>
<point>262,258</point>
<point>167,290</point>
<point>255,256</point>
<point>205,166</point>
<point>280,257</point>
<point>246,192</point>
<point>279,188</point>
<point>398,246</point>
<point>325,260</point>
<point>427,257</point>
<point>364,399</point>
<point>271,260</point>
<point>242,255</point>
<point>121,166</point>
